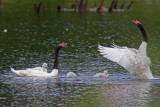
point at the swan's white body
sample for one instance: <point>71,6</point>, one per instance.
<point>35,73</point>
<point>134,61</point>
<point>43,68</point>
<point>71,75</point>
<point>102,75</point>
<point>31,71</point>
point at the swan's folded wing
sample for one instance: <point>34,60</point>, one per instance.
<point>36,68</point>
<point>34,73</point>
<point>24,73</point>
<point>124,56</point>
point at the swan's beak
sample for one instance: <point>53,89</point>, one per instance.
<point>63,44</point>
<point>136,22</point>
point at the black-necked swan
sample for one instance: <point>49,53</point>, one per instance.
<point>133,60</point>
<point>37,73</point>
<point>102,75</point>
<point>71,75</point>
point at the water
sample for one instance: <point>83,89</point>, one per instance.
<point>30,41</point>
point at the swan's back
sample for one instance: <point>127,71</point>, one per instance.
<point>71,75</point>
<point>102,75</point>
<point>42,69</point>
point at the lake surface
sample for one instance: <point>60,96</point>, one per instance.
<point>31,39</point>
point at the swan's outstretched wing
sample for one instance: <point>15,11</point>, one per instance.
<point>126,57</point>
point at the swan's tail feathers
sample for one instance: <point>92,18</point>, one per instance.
<point>14,71</point>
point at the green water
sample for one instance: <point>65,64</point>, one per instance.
<point>30,41</point>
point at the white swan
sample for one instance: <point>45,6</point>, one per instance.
<point>71,75</point>
<point>38,73</point>
<point>133,60</point>
<point>102,75</point>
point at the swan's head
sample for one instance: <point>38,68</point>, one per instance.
<point>61,45</point>
<point>141,28</point>
<point>44,65</point>
<point>105,71</point>
<point>136,22</point>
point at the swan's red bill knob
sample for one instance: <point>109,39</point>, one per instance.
<point>63,44</point>
<point>136,22</point>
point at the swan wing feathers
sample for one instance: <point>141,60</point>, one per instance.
<point>126,57</point>
<point>36,68</point>
<point>33,73</point>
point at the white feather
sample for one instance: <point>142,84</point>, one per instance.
<point>134,61</point>
<point>102,75</point>
<point>71,75</point>
<point>42,69</point>
<point>35,73</point>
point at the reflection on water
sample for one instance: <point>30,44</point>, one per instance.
<point>130,93</point>
<point>35,91</point>
<point>83,90</point>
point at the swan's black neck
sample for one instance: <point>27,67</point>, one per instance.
<point>144,33</point>
<point>56,57</point>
